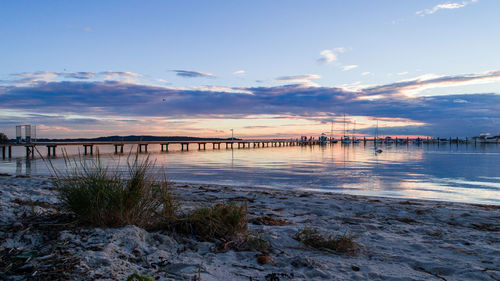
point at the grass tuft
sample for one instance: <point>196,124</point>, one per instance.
<point>101,197</point>
<point>246,242</point>
<point>222,221</point>
<point>104,197</point>
<point>313,238</point>
<point>137,277</point>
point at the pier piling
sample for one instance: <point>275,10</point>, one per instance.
<point>85,146</point>
<point>51,149</point>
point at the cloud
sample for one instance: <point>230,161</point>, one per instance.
<point>219,89</point>
<point>328,56</point>
<point>76,75</point>
<point>239,72</point>
<point>31,77</point>
<point>366,73</point>
<point>447,115</point>
<point>349,67</point>
<point>87,29</point>
<point>298,78</point>
<point>301,80</point>
<point>120,74</point>
<point>47,76</point>
<point>402,73</point>
<point>414,86</point>
<point>111,75</point>
<point>446,6</point>
<point>192,74</point>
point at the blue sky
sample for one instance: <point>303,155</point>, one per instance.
<point>264,67</point>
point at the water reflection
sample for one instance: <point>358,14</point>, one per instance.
<point>23,166</point>
<point>445,172</point>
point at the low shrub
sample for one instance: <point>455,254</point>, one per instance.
<point>313,238</point>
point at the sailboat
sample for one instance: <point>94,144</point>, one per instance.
<point>345,139</point>
<point>322,139</point>
<point>375,141</point>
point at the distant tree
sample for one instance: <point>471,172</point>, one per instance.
<point>3,138</point>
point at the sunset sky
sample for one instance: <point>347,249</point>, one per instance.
<point>264,68</point>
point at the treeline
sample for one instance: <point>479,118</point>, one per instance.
<point>133,138</point>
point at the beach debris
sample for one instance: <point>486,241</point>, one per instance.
<point>406,220</point>
<point>267,220</point>
<point>407,202</point>
<point>34,251</point>
<point>33,203</point>
<point>276,276</point>
<point>485,227</point>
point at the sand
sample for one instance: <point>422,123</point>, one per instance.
<point>398,239</point>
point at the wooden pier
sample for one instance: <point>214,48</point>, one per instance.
<point>142,146</point>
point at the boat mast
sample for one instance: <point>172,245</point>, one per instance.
<point>344,126</point>
<point>331,131</point>
<point>354,131</point>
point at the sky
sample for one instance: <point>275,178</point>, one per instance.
<point>263,68</point>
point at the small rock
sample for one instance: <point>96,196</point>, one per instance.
<point>264,259</point>
<point>355,268</point>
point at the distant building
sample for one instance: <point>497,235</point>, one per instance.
<point>29,133</point>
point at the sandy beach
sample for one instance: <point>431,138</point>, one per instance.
<point>396,239</point>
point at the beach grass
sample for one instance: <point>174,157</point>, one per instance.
<point>222,221</point>
<point>100,196</point>
<point>313,238</point>
<point>140,277</point>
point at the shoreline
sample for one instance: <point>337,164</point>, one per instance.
<point>245,187</point>
<point>398,239</point>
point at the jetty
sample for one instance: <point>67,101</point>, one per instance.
<point>185,145</point>
<point>142,146</point>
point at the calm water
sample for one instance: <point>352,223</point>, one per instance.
<point>465,173</point>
